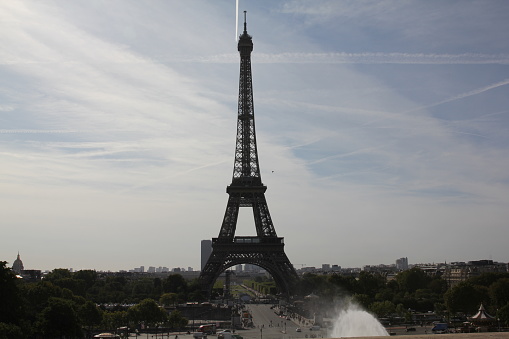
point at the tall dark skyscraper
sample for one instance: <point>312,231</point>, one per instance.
<point>206,250</point>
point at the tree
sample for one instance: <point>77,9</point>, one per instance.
<point>345,283</point>
<point>413,279</point>
<point>465,297</point>
<point>114,320</point>
<point>486,279</point>
<point>59,319</point>
<point>10,304</point>
<point>175,283</point>
<point>57,274</point>
<point>147,312</point>
<point>90,314</point>
<point>503,315</point>
<point>382,308</point>
<point>168,299</point>
<point>499,292</point>
<point>9,331</point>
<point>177,321</point>
<point>370,283</point>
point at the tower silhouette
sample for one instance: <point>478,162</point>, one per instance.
<point>266,249</point>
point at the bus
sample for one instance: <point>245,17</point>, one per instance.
<point>207,329</point>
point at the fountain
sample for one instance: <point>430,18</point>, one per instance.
<point>353,321</point>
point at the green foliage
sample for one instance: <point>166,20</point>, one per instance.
<point>348,284</point>
<point>362,299</point>
<point>177,321</point>
<point>89,314</point>
<point>10,331</point>
<point>59,319</point>
<point>10,305</point>
<point>486,279</point>
<point>382,308</point>
<point>168,299</point>
<point>114,320</point>
<point>412,280</point>
<point>369,283</point>
<point>73,297</point>
<point>147,312</point>
<point>503,315</point>
<point>465,297</point>
<point>175,283</point>
<point>499,292</point>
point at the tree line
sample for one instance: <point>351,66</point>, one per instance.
<point>415,291</point>
<point>66,304</point>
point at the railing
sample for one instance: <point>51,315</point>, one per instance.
<point>249,240</point>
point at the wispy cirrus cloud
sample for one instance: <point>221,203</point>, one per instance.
<point>355,58</point>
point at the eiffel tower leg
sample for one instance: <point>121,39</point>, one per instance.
<point>268,255</point>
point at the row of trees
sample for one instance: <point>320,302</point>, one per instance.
<point>64,304</point>
<point>414,290</point>
<point>127,289</point>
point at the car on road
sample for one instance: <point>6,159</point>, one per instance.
<point>298,329</point>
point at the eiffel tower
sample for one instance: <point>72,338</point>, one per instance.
<point>266,249</point>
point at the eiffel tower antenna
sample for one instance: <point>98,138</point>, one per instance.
<point>266,249</point>
<point>245,22</point>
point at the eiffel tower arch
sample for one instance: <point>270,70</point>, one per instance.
<point>266,249</point>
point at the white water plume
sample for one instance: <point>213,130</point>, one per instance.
<point>353,321</point>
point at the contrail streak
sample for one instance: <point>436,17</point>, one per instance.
<point>236,19</point>
<point>363,58</point>
<point>463,95</point>
<point>35,131</point>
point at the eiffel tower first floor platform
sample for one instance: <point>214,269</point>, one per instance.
<point>265,252</point>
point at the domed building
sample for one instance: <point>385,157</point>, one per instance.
<point>17,266</point>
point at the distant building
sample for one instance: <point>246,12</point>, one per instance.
<point>251,268</point>
<point>238,268</point>
<point>402,264</point>
<point>140,269</point>
<point>17,266</point>
<point>206,250</point>
<point>381,268</point>
<point>325,267</point>
<point>31,275</point>
<point>457,272</point>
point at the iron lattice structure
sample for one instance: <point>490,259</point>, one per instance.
<point>266,249</point>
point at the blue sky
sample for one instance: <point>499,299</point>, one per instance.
<point>382,129</point>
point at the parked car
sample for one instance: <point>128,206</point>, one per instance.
<point>298,329</point>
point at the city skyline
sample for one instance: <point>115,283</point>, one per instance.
<point>382,129</point>
<point>399,263</point>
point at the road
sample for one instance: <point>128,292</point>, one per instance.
<point>269,326</point>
